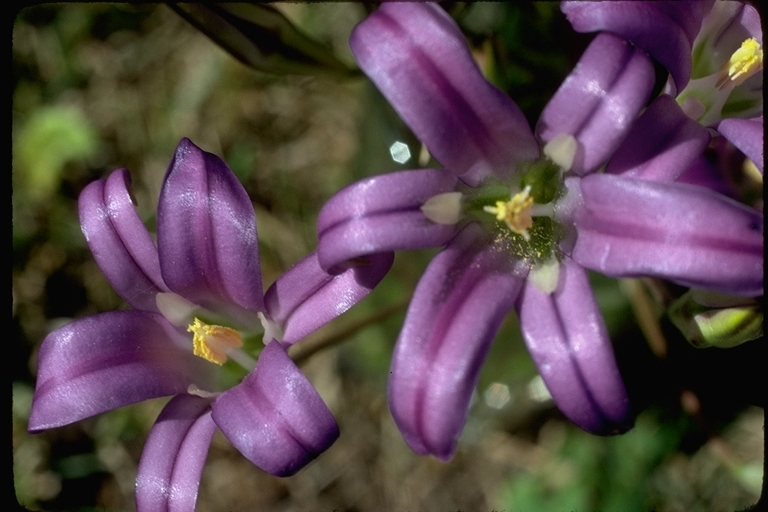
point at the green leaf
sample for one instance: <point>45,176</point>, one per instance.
<point>262,38</point>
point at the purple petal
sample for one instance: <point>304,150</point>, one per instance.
<point>206,233</point>
<point>567,339</point>
<point>665,30</point>
<point>661,145</point>
<point>382,214</point>
<point>456,310</point>
<point>747,135</point>
<point>275,418</point>
<point>106,361</point>
<point>174,455</point>
<point>306,297</point>
<point>120,243</point>
<point>704,173</point>
<point>599,100</point>
<point>420,61</point>
<point>680,232</point>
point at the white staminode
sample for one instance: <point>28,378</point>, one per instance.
<point>544,276</point>
<point>443,208</point>
<point>272,331</point>
<point>562,150</point>
<point>175,308</point>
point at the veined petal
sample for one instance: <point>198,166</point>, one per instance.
<point>275,418</point>
<point>456,310</point>
<point>420,61</point>
<point>106,361</point>
<point>661,145</point>
<point>206,232</point>
<point>566,336</point>
<point>598,102</point>
<point>174,454</point>
<point>119,241</point>
<point>382,214</point>
<point>665,30</point>
<point>687,234</point>
<point>747,135</point>
<point>306,297</point>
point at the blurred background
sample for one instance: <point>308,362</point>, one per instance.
<point>102,86</point>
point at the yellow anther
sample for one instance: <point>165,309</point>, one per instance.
<point>745,62</point>
<point>211,342</point>
<point>516,212</point>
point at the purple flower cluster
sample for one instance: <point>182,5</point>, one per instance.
<point>199,287</point>
<point>521,214</point>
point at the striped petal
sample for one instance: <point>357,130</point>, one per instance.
<point>566,336</point>
<point>747,135</point>
<point>120,243</point>
<point>106,361</point>
<point>382,214</point>
<point>306,297</point>
<point>666,30</point>
<point>206,232</point>
<point>456,310</point>
<point>674,231</point>
<point>418,58</point>
<point>661,145</point>
<point>598,102</point>
<point>275,418</point>
<point>174,455</point>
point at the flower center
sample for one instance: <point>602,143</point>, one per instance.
<point>213,342</point>
<point>745,62</point>
<point>516,212</point>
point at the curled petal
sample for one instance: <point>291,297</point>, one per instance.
<point>666,30</point>
<point>119,241</point>
<point>598,102</point>
<point>674,231</point>
<point>456,310</point>
<point>275,418</point>
<point>420,61</point>
<point>661,145</point>
<point>206,232</point>
<point>567,338</point>
<point>306,297</point>
<point>382,214</point>
<point>747,135</point>
<point>174,454</point>
<point>106,361</point>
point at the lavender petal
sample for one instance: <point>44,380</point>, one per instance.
<point>106,361</point>
<point>566,336</point>
<point>688,234</point>
<point>420,61</point>
<point>456,310</point>
<point>120,243</point>
<point>275,418</point>
<point>206,231</point>
<point>598,102</point>
<point>172,462</point>
<point>382,214</point>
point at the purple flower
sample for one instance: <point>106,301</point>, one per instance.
<point>520,228</point>
<point>199,290</point>
<point>712,49</point>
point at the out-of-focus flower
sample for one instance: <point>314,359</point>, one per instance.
<point>519,228</point>
<point>197,293</point>
<point>712,49</point>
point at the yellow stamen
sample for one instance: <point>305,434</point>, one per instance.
<point>516,212</point>
<point>745,62</point>
<point>211,342</point>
